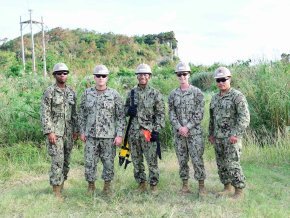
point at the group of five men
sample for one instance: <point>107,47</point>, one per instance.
<point>101,121</point>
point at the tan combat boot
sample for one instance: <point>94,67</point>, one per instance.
<point>142,187</point>
<point>56,191</point>
<point>201,188</point>
<point>91,188</point>
<point>228,189</point>
<point>154,190</point>
<point>185,187</point>
<point>107,188</point>
<point>238,194</point>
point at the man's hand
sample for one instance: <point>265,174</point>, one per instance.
<point>233,139</point>
<point>183,131</point>
<point>211,139</point>
<point>51,138</point>
<point>118,141</point>
<point>132,111</point>
<point>75,136</point>
<point>83,137</point>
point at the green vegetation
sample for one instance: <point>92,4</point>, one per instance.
<point>24,161</point>
<point>25,190</point>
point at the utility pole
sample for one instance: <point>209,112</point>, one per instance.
<point>22,46</point>
<point>43,47</point>
<point>31,22</point>
<point>32,42</point>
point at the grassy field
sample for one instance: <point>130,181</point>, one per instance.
<point>25,190</point>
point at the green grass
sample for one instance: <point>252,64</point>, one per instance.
<point>25,190</point>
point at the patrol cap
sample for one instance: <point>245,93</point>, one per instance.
<point>101,70</point>
<point>222,72</point>
<point>60,67</point>
<point>143,68</point>
<point>182,67</point>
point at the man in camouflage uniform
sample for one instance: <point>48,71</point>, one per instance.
<point>102,123</point>
<point>147,111</point>
<point>59,124</point>
<point>229,117</point>
<point>186,108</point>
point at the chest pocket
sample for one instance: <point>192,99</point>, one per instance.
<point>149,103</point>
<point>57,104</point>
<point>228,108</point>
<point>109,105</point>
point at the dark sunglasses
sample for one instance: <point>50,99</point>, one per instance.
<point>99,76</point>
<point>61,73</point>
<point>221,80</point>
<point>182,74</point>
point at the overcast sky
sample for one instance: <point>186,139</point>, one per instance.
<point>207,31</point>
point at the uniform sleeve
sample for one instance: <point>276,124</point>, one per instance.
<point>243,116</point>
<point>198,111</point>
<point>211,120</point>
<point>159,109</point>
<point>82,114</point>
<point>172,114</point>
<point>45,110</point>
<point>75,116</point>
<point>120,115</point>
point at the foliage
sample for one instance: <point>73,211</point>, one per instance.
<point>82,49</point>
<point>25,189</point>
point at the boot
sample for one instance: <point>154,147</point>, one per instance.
<point>153,189</point>
<point>238,194</point>
<point>201,188</point>
<point>91,188</point>
<point>56,191</point>
<point>142,187</point>
<point>107,188</point>
<point>228,189</point>
<point>185,188</point>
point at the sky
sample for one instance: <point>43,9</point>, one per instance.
<point>208,31</point>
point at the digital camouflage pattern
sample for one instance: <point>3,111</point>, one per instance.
<point>58,115</point>
<point>150,116</point>
<point>101,115</point>
<point>102,118</point>
<point>96,149</point>
<point>186,108</point>
<point>229,116</point>
<point>228,162</point>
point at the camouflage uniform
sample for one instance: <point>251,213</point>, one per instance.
<point>101,118</point>
<point>186,109</point>
<point>229,116</point>
<point>150,116</point>
<point>58,115</point>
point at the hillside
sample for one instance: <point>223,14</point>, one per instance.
<point>82,49</point>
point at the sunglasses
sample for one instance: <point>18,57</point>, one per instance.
<point>61,73</point>
<point>99,76</point>
<point>182,74</point>
<point>221,80</point>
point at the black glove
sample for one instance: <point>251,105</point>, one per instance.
<point>132,111</point>
<point>154,136</point>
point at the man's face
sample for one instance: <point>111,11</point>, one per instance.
<point>223,83</point>
<point>61,76</point>
<point>143,78</point>
<point>183,77</point>
<point>101,80</point>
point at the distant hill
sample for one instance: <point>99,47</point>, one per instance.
<point>82,49</point>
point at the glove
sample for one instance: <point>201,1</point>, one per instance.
<point>132,111</point>
<point>154,136</point>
